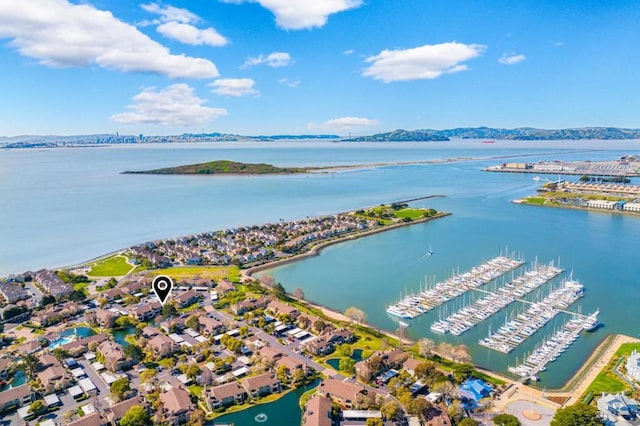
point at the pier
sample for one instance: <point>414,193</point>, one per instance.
<point>554,346</point>
<point>415,305</point>
<point>471,315</point>
<point>516,331</point>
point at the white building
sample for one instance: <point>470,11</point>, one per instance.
<point>601,204</point>
<point>633,366</point>
<point>632,207</point>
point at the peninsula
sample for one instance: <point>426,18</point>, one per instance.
<point>224,167</point>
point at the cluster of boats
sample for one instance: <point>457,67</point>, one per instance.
<point>471,315</point>
<point>516,331</point>
<point>415,305</point>
<point>553,347</point>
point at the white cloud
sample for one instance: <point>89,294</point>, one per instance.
<point>61,34</point>
<point>303,14</point>
<point>344,123</point>
<point>558,43</point>
<point>188,34</point>
<point>171,14</point>
<point>511,58</point>
<point>176,105</point>
<point>290,83</point>
<point>348,52</point>
<point>275,60</point>
<point>234,86</point>
<point>425,62</point>
<point>175,23</point>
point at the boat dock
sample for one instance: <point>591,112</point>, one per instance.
<point>516,331</point>
<point>553,347</point>
<point>415,305</point>
<point>471,315</point>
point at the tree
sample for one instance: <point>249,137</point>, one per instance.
<point>197,418</point>
<point>389,410</point>
<point>319,325</point>
<point>298,375</point>
<point>169,310</point>
<point>13,312</point>
<point>356,315</point>
<point>425,346</point>
<point>193,323</point>
<point>279,291</point>
<point>136,416</point>
<point>298,293</point>
<point>374,422</point>
<point>123,321</point>
<point>577,415</point>
<point>446,388</point>
<point>467,421</point>
<point>192,371</point>
<point>119,388</point>
<point>37,406</point>
<point>347,364</point>
<point>134,351</point>
<point>456,411</point>
<point>60,354</point>
<point>461,354</point>
<point>47,300</point>
<point>506,420</point>
<point>147,375</point>
<point>31,364</point>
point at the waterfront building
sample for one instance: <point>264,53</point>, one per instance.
<point>632,207</point>
<point>617,409</point>
<point>318,412</point>
<point>633,366</point>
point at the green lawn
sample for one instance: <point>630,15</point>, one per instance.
<point>410,213</point>
<point>607,381</point>
<point>232,273</point>
<point>536,200</point>
<point>111,267</point>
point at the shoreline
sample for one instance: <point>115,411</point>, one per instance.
<point>317,248</point>
<point>524,202</point>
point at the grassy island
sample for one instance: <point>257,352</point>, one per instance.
<point>223,167</point>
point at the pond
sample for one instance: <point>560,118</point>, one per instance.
<point>356,355</point>
<point>120,335</point>
<point>283,412</point>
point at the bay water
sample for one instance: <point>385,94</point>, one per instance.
<point>64,206</point>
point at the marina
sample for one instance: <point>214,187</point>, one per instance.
<point>553,347</point>
<point>471,315</point>
<point>515,332</point>
<point>415,305</point>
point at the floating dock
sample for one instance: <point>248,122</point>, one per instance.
<point>413,306</point>
<point>471,315</point>
<point>516,331</point>
<point>553,347</point>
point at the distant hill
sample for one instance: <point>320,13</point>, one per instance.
<point>402,136</point>
<point>223,167</point>
<point>521,133</point>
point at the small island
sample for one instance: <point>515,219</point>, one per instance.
<point>224,167</point>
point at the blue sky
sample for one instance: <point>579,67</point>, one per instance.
<point>315,66</point>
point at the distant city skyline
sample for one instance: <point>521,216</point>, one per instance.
<point>294,67</point>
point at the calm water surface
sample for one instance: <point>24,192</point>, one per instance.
<point>63,206</point>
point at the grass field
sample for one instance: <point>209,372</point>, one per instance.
<point>232,273</point>
<point>536,200</point>
<point>410,213</point>
<point>607,380</point>
<point>111,267</point>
